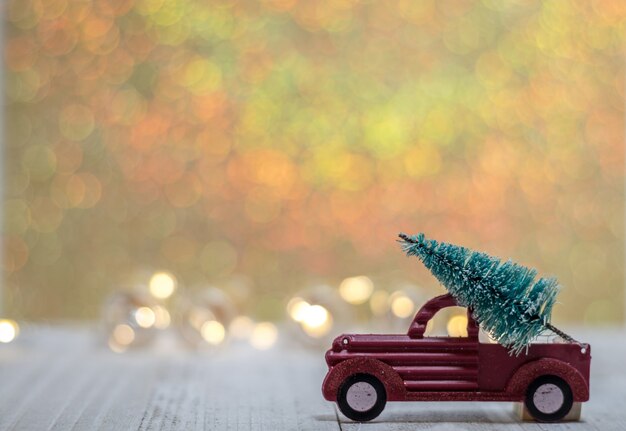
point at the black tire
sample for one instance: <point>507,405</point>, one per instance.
<point>549,412</point>
<point>361,415</point>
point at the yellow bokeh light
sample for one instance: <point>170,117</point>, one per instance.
<point>379,303</point>
<point>356,290</point>
<point>162,285</point>
<point>401,305</point>
<point>264,336</point>
<point>9,330</point>
<point>213,332</point>
<point>318,331</point>
<point>241,327</point>
<point>297,309</point>
<point>162,317</point>
<point>457,326</point>
<point>315,316</point>
<point>317,321</point>
<point>145,317</point>
<point>123,334</point>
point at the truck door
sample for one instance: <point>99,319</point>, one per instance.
<point>440,363</point>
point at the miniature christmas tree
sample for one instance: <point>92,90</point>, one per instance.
<point>504,297</point>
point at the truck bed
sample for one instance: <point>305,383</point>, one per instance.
<point>494,355</point>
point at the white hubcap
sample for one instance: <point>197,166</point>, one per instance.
<point>361,396</point>
<point>548,398</point>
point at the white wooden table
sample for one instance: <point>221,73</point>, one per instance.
<point>65,378</point>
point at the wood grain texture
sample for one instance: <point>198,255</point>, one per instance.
<point>65,379</point>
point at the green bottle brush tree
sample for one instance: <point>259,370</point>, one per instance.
<point>505,299</point>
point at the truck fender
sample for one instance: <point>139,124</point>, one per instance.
<point>527,373</point>
<point>394,386</point>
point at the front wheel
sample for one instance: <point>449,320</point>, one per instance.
<point>361,397</point>
<point>549,399</point>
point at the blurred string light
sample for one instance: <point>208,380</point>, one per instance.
<point>264,336</point>
<point>317,321</point>
<point>213,332</point>
<point>9,330</point>
<point>356,290</point>
<point>457,326</point>
<point>122,336</point>
<point>206,319</point>
<point>162,318</point>
<point>140,130</point>
<point>316,314</point>
<point>162,285</point>
<point>297,308</point>
<point>314,319</point>
<point>390,310</point>
<point>401,304</point>
<point>145,317</point>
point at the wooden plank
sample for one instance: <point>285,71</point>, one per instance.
<point>78,384</point>
<point>34,369</point>
<point>449,416</point>
<point>64,379</point>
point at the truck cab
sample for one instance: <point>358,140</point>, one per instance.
<point>367,370</point>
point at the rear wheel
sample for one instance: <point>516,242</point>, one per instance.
<point>549,399</point>
<point>361,397</point>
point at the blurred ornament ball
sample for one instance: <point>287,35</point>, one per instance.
<point>132,318</point>
<point>205,317</point>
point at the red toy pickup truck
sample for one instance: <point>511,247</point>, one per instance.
<point>366,371</point>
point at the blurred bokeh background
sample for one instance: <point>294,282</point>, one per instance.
<point>268,147</point>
